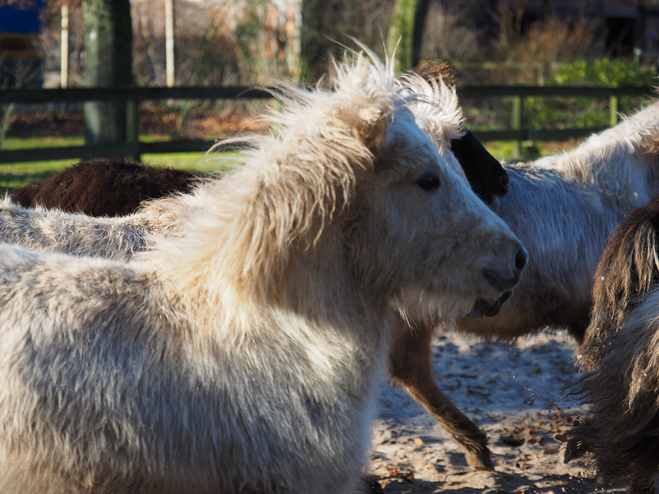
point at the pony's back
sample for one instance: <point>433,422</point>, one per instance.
<point>104,187</point>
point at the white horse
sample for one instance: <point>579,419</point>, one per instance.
<point>241,353</point>
<point>562,208</point>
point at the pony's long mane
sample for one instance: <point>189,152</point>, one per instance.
<point>291,186</point>
<point>442,119</point>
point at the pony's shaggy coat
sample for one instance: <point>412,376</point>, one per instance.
<point>621,351</point>
<point>120,239</point>
<point>240,354</point>
<point>562,207</point>
<point>51,230</point>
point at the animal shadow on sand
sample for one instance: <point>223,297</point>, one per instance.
<point>503,483</point>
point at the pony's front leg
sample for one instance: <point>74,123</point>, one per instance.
<point>410,369</point>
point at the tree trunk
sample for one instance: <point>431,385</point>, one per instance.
<point>406,29</point>
<point>108,63</point>
<point>420,15</point>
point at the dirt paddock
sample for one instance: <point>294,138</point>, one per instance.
<point>514,392</point>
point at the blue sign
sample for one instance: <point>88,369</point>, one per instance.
<point>22,17</point>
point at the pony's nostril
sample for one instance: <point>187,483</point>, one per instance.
<point>504,180</point>
<point>521,258</point>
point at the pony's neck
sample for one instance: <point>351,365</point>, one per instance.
<point>325,272</point>
<point>318,283</point>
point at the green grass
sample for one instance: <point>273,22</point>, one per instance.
<point>17,175</point>
<point>505,150</point>
<point>200,162</point>
<point>40,142</point>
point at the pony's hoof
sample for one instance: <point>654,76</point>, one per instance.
<point>370,485</point>
<point>574,448</point>
<point>480,460</point>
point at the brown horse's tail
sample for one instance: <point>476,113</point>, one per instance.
<point>621,351</point>
<point>628,268</point>
<point>623,431</point>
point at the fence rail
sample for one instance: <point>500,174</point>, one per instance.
<point>133,95</point>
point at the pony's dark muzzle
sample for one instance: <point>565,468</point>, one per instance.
<point>495,189</point>
<point>507,279</point>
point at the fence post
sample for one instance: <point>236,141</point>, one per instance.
<point>613,109</point>
<point>516,124</point>
<point>133,128</point>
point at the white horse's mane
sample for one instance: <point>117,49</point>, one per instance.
<point>334,131</point>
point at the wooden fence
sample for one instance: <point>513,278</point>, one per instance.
<point>131,96</point>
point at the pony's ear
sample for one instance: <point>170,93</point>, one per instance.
<point>371,127</point>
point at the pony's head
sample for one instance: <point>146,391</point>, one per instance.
<point>418,222</point>
<point>352,185</point>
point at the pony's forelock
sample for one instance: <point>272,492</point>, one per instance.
<point>435,107</point>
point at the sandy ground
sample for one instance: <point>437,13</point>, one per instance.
<point>514,392</point>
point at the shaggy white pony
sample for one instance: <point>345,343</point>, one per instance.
<point>241,354</point>
<point>562,208</point>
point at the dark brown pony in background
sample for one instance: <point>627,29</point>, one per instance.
<point>104,187</point>
<point>621,356</point>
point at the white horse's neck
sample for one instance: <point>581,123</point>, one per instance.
<point>316,284</point>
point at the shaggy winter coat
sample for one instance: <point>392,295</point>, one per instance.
<point>242,353</point>
<point>563,207</point>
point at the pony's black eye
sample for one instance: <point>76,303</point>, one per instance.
<point>428,180</point>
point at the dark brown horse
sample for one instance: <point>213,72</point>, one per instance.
<point>621,355</point>
<point>104,187</point>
